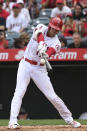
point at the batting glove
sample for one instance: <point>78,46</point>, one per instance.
<point>41,48</point>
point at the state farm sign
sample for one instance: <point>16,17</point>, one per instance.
<point>3,56</point>
<point>65,56</point>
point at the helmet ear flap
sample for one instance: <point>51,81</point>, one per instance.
<point>49,26</point>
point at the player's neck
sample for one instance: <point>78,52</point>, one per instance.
<point>48,34</point>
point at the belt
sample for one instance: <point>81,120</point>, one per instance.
<point>33,62</point>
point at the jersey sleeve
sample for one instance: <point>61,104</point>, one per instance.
<point>8,22</point>
<point>39,29</point>
<point>27,15</point>
<point>56,45</point>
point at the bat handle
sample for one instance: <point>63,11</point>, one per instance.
<point>48,64</point>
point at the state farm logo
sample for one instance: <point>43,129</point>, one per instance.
<point>3,56</point>
<point>65,56</point>
<point>85,55</point>
<point>19,55</point>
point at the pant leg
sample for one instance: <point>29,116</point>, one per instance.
<point>23,79</point>
<point>43,82</point>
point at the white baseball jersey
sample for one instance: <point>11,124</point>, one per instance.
<point>56,11</point>
<point>31,50</point>
<point>25,12</point>
<point>16,23</point>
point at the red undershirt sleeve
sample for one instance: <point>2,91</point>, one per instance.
<point>40,38</point>
<point>50,51</point>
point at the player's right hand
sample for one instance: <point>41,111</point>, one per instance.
<point>41,52</point>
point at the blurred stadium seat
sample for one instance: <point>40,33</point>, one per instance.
<point>10,42</point>
<point>84,39</point>
<point>69,40</point>
<point>12,34</point>
<point>42,20</point>
<point>45,12</point>
<point>38,1</point>
<point>29,30</point>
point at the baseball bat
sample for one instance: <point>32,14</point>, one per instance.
<point>48,65</point>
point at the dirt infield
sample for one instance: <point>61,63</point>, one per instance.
<point>46,128</point>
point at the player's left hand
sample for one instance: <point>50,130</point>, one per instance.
<point>41,48</point>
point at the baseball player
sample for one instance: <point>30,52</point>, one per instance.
<point>16,21</point>
<point>43,41</point>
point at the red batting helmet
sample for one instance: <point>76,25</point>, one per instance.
<point>55,23</point>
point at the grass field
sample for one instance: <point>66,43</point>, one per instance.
<point>40,122</point>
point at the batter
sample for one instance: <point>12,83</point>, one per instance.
<point>44,40</point>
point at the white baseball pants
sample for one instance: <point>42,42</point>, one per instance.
<point>40,76</point>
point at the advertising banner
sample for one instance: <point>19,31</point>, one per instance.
<point>64,55</point>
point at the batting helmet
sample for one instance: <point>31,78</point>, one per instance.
<point>55,23</point>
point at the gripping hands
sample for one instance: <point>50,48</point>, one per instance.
<point>41,48</point>
<point>42,52</point>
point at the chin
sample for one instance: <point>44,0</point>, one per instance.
<point>52,35</point>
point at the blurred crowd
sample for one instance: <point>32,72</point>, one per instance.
<point>18,18</point>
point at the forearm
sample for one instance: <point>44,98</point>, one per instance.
<point>2,27</point>
<point>63,29</point>
<point>50,51</point>
<point>21,30</point>
<point>65,3</point>
<point>8,29</point>
<point>37,11</point>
